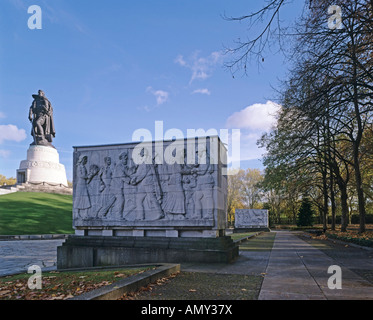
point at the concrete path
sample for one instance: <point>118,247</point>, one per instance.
<point>16,256</point>
<point>293,268</point>
<point>299,271</point>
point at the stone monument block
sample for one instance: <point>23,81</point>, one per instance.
<point>251,219</point>
<point>160,201</point>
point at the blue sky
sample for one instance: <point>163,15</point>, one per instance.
<point>112,67</point>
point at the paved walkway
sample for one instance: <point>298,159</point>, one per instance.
<point>297,270</point>
<point>16,256</point>
<point>292,270</point>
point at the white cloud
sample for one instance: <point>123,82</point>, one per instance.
<point>12,133</point>
<point>19,4</point>
<point>251,123</point>
<point>201,67</point>
<point>180,60</point>
<point>4,153</point>
<point>161,96</point>
<point>257,117</point>
<point>202,91</point>
<point>248,149</point>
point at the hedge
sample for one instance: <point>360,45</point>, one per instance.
<point>358,241</point>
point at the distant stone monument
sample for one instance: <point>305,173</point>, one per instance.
<point>250,220</point>
<point>42,170</point>
<point>150,202</point>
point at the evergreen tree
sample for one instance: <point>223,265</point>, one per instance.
<point>305,213</point>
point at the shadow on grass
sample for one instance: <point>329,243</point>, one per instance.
<point>35,213</point>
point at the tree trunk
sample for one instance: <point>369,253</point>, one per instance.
<point>356,142</point>
<point>332,200</point>
<point>359,189</point>
<point>344,206</point>
<point>325,194</point>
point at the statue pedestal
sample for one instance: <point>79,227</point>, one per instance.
<point>42,167</point>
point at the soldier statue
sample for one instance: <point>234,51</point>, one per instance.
<point>41,118</point>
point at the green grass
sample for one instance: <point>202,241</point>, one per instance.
<point>263,242</point>
<point>237,236</point>
<point>35,213</point>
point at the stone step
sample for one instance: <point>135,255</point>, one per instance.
<point>220,243</point>
<point>90,251</point>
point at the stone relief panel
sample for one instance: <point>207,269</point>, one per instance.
<point>110,186</point>
<point>245,218</point>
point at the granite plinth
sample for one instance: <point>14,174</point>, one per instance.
<point>92,251</point>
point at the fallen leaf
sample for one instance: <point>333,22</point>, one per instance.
<point>119,275</point>
<point>192,290</point>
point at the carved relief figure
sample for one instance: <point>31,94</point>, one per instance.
<point>121,187</point>
<point>107,198</point>
<point>94,185</point>
<point>203,197</point>
<point>174,203</point>
<point>129,190</point>
<point>189,185</point>
<point>148,188</point>
<point>116,186</point>
<point>82,200</point>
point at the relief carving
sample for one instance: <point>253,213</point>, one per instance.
<point>81,198</point>
<point>251,217</point>
<point>119,189</point>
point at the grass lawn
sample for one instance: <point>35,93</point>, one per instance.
<point>262,242</point>
<point>35,213</point>
<point>62,285</point>
<point>237,236</point>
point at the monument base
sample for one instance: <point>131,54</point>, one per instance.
<point>42,168</point>
<point>92,251</point>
